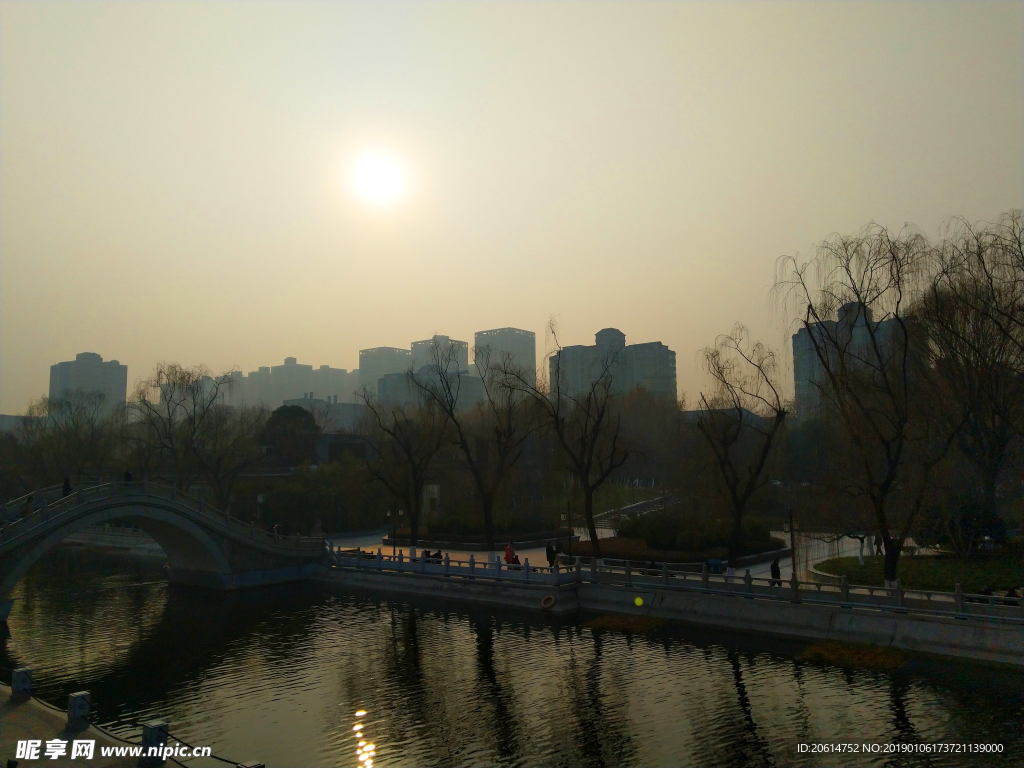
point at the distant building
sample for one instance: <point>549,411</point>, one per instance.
<point>378,362</point>
<point>270,386</point>
<point>852,329</point>
<point>401,390</point>
<point>330,415</point>
<point>513,344</point>
<point>88,373</point>
<point>457,352</point>
<point>651,366</point>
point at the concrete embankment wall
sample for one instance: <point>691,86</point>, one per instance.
<point>491,594</point>
<point>1003,644</point>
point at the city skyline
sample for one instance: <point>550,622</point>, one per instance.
<point>231,185</point>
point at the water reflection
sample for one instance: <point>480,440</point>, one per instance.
<point>302,675</point>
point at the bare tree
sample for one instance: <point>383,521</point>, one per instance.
<point>491,434</point>
<point>226,443</point>
<point>69,437</point>
<point>181,416</point>
<point>855,297</point>
<point>740,420</point>
<point>585,425</point>
<point>406,441</point>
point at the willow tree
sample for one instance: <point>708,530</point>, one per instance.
<point>856,298</point>
<point>740,420</point>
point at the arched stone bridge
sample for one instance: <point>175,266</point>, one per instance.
<point>205,547</point>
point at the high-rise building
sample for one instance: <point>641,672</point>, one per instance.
<point>88,373</point>
<point>378,362</point>
<point>851,331</point>
<point>651,365</point>
<point>512,344</point>
<point>456,352</point>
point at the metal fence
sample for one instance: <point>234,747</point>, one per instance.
<point>684,576</point>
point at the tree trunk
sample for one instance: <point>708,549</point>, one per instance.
<point>891,560</point>
<point>588,512</point>
<point>735,539</point>
<point>414,519</point>
<point>487,502</point>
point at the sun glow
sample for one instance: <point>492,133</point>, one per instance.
<point>377,178</point>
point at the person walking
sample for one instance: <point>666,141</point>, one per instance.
<point>776,573</point>
<point>510,552</point>
<point>550,552</point>
<point>878,543</point>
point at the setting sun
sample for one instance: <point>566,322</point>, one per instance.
<point>377,178</point>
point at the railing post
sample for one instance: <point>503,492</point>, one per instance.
<point>526,569</point>
<point>749,581</point>
<point>704,575</point>
<point>593,569</point>
<point>794,583</point>
<point>959,598</point>
<point>154,736</point>
<point>497,568</point>
<point>447,563</point>
<point>899,593</point>
<point>629,572</point>
<point>472,564</point>
<point>21,684</point>
<point>380,559</point>
<point>423,560</point>
<point>78,711</point>
<point>664,574</point>
<point>401,559</point>
<point>359,556</point>
<point>844,589</point>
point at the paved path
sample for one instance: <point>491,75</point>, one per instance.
<point>33,720</point>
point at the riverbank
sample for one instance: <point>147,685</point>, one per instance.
<point>745,608</point>
<point>32,719</point>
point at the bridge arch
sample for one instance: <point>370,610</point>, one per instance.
<point>188,547</point>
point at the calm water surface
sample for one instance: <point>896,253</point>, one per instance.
<point>277,675</point>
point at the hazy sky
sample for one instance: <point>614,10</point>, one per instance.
<point>174,175</point>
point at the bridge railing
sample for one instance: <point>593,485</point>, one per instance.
<point>45,513</point>
<point>958,604</point>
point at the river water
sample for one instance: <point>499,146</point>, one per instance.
<point>277,675</point>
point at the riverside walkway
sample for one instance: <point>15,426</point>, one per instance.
<point>980,627</point>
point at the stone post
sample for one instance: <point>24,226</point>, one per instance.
<point>664,574</point>
<point>704,575</point>
<point>154,736</point>
<point>749,581</point>
<point>579,572</point>
<point>794,584</point>
<point>526,569</point>
<point>959,598</point>
<point>899,593</point>
<point>400,559</point>
<point>78,711</point>
<point>844,589</point>
<point>359,556</point>
<point>472,564</point>
<point>629,572</point>
<point>21,684</point>
<point>380,559</point>
<point>423,561</point>
<point>447,563</point>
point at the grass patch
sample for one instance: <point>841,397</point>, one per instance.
<point>935,572</point>
<point>873,657</point>
<point>623,623</point>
